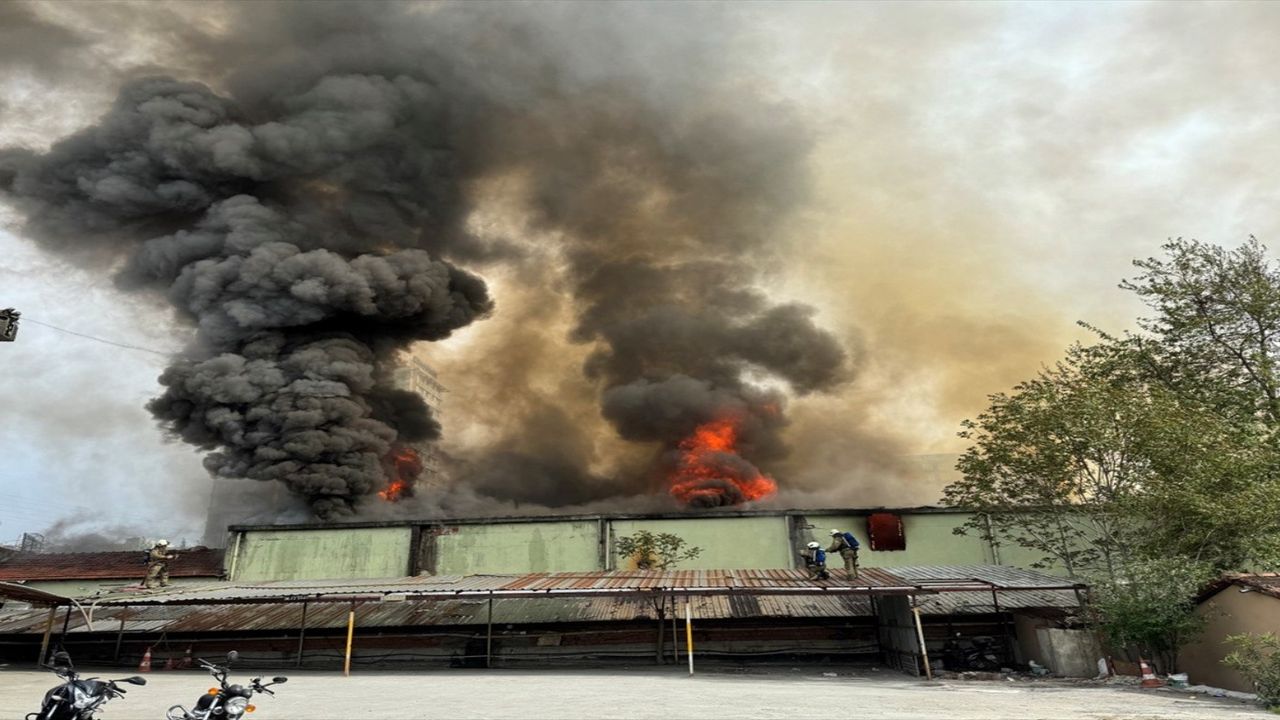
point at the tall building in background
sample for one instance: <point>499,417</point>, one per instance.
<point>419,378</point>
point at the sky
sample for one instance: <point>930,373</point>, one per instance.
<point>983,174</point>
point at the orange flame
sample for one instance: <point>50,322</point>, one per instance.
<point>710,472</point>
<point>405,467</point>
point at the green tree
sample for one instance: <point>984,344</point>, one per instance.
<point>654,551</point>
<point>1064,440</point>
<point>1257,657</point>
<point>1151,456</point>
<point>1147,609</point>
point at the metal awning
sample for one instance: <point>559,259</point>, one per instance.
<point>22,593</point>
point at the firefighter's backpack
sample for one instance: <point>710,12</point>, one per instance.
<point>850,540</point>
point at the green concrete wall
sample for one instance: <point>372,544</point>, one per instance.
<point>930,540</point>
<point>518,548</point>
<point>321,554</point>
<point>727,543</point>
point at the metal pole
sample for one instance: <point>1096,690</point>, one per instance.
<point>62,636</point>
<point>351,630</point>
<point>302,634</point>
<point>488,635</point>
<point>675,629</point>
<point>115,657</point>
<point>1004,626</point>
<point>688,631</point>
<point>48,630</point>
<point>924,650</point>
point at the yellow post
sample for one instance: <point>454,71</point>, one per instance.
<point>351,629</point>
<point>688,630</point>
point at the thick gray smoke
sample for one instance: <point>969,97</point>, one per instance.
<point>306,215</point>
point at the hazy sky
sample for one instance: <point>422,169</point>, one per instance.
<point>984,173</point>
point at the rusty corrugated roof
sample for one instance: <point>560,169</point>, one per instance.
<point>1265,583</point>
<point>565,584</point>
<point>25,567</point>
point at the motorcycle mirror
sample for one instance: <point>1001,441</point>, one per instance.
<point>233,656</point>
<point>278,680</point>
<point>135,680</point>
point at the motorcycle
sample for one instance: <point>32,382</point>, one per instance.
<point>77,698</point>
<point>224,701</point>
<point>979,655</point>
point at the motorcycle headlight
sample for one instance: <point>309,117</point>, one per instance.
<point>82,699</point>
<point>236,706</point>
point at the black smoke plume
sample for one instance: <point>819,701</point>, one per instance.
<point>306,215</point>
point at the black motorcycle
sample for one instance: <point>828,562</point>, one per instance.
<point>76,698</point>
<point>978,654</point>
<point>224,701</point>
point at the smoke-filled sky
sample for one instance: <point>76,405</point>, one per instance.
<point>845,224</point>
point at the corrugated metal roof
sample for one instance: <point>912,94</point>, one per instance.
<point>585,584</point>
<point>516,611</point>
<point>193,562</point>
<point>1265,583</point>
<point>1004,577</point>
<point>741,594</point>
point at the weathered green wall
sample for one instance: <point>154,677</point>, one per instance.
<point>318,554</point>
<point>727,543</point>
<point>929,540</point>
<point>517,548</point>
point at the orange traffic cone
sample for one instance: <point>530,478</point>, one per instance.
<point>145,665</point>
<point>1149,679</point>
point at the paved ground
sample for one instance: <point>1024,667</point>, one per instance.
<point>646,693</point>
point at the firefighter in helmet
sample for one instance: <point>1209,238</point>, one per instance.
<point>158,558</point>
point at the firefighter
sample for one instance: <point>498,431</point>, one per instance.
<point>847,545</point>
<point>158,558</point>
<point>815,560</point>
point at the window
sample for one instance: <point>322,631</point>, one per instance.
<point>885,532</point>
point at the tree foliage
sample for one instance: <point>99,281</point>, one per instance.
<point>1147,608</point>
<point>655,551</point>
<point>1151,458</point>
<point>1257,658</point>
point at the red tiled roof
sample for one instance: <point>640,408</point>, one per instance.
<point>193,562</point>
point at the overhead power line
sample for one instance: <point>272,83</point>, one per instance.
<point>96,339</point>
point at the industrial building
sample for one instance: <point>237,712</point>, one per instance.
<point>729,540</point>
<point>504,591</point>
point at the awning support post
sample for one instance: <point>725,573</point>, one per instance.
<point>115,656</point>
<point>488,635</point>
<point>48,631</point>
<point>675,629</point>
<point>302,634</point>
<point>66,621</point>
<point>351,630</point>
<point>924,650</point>
<point>688,631</point>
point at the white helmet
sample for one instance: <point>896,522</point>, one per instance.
<point>162,542</point>
<point>835,532</point>
<point>814,545</point>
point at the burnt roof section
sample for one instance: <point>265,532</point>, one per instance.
<point>26,567</point>
<point>1265,583</point>
<point>692,514</point>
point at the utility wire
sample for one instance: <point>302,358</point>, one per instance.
<point>95,339</point>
